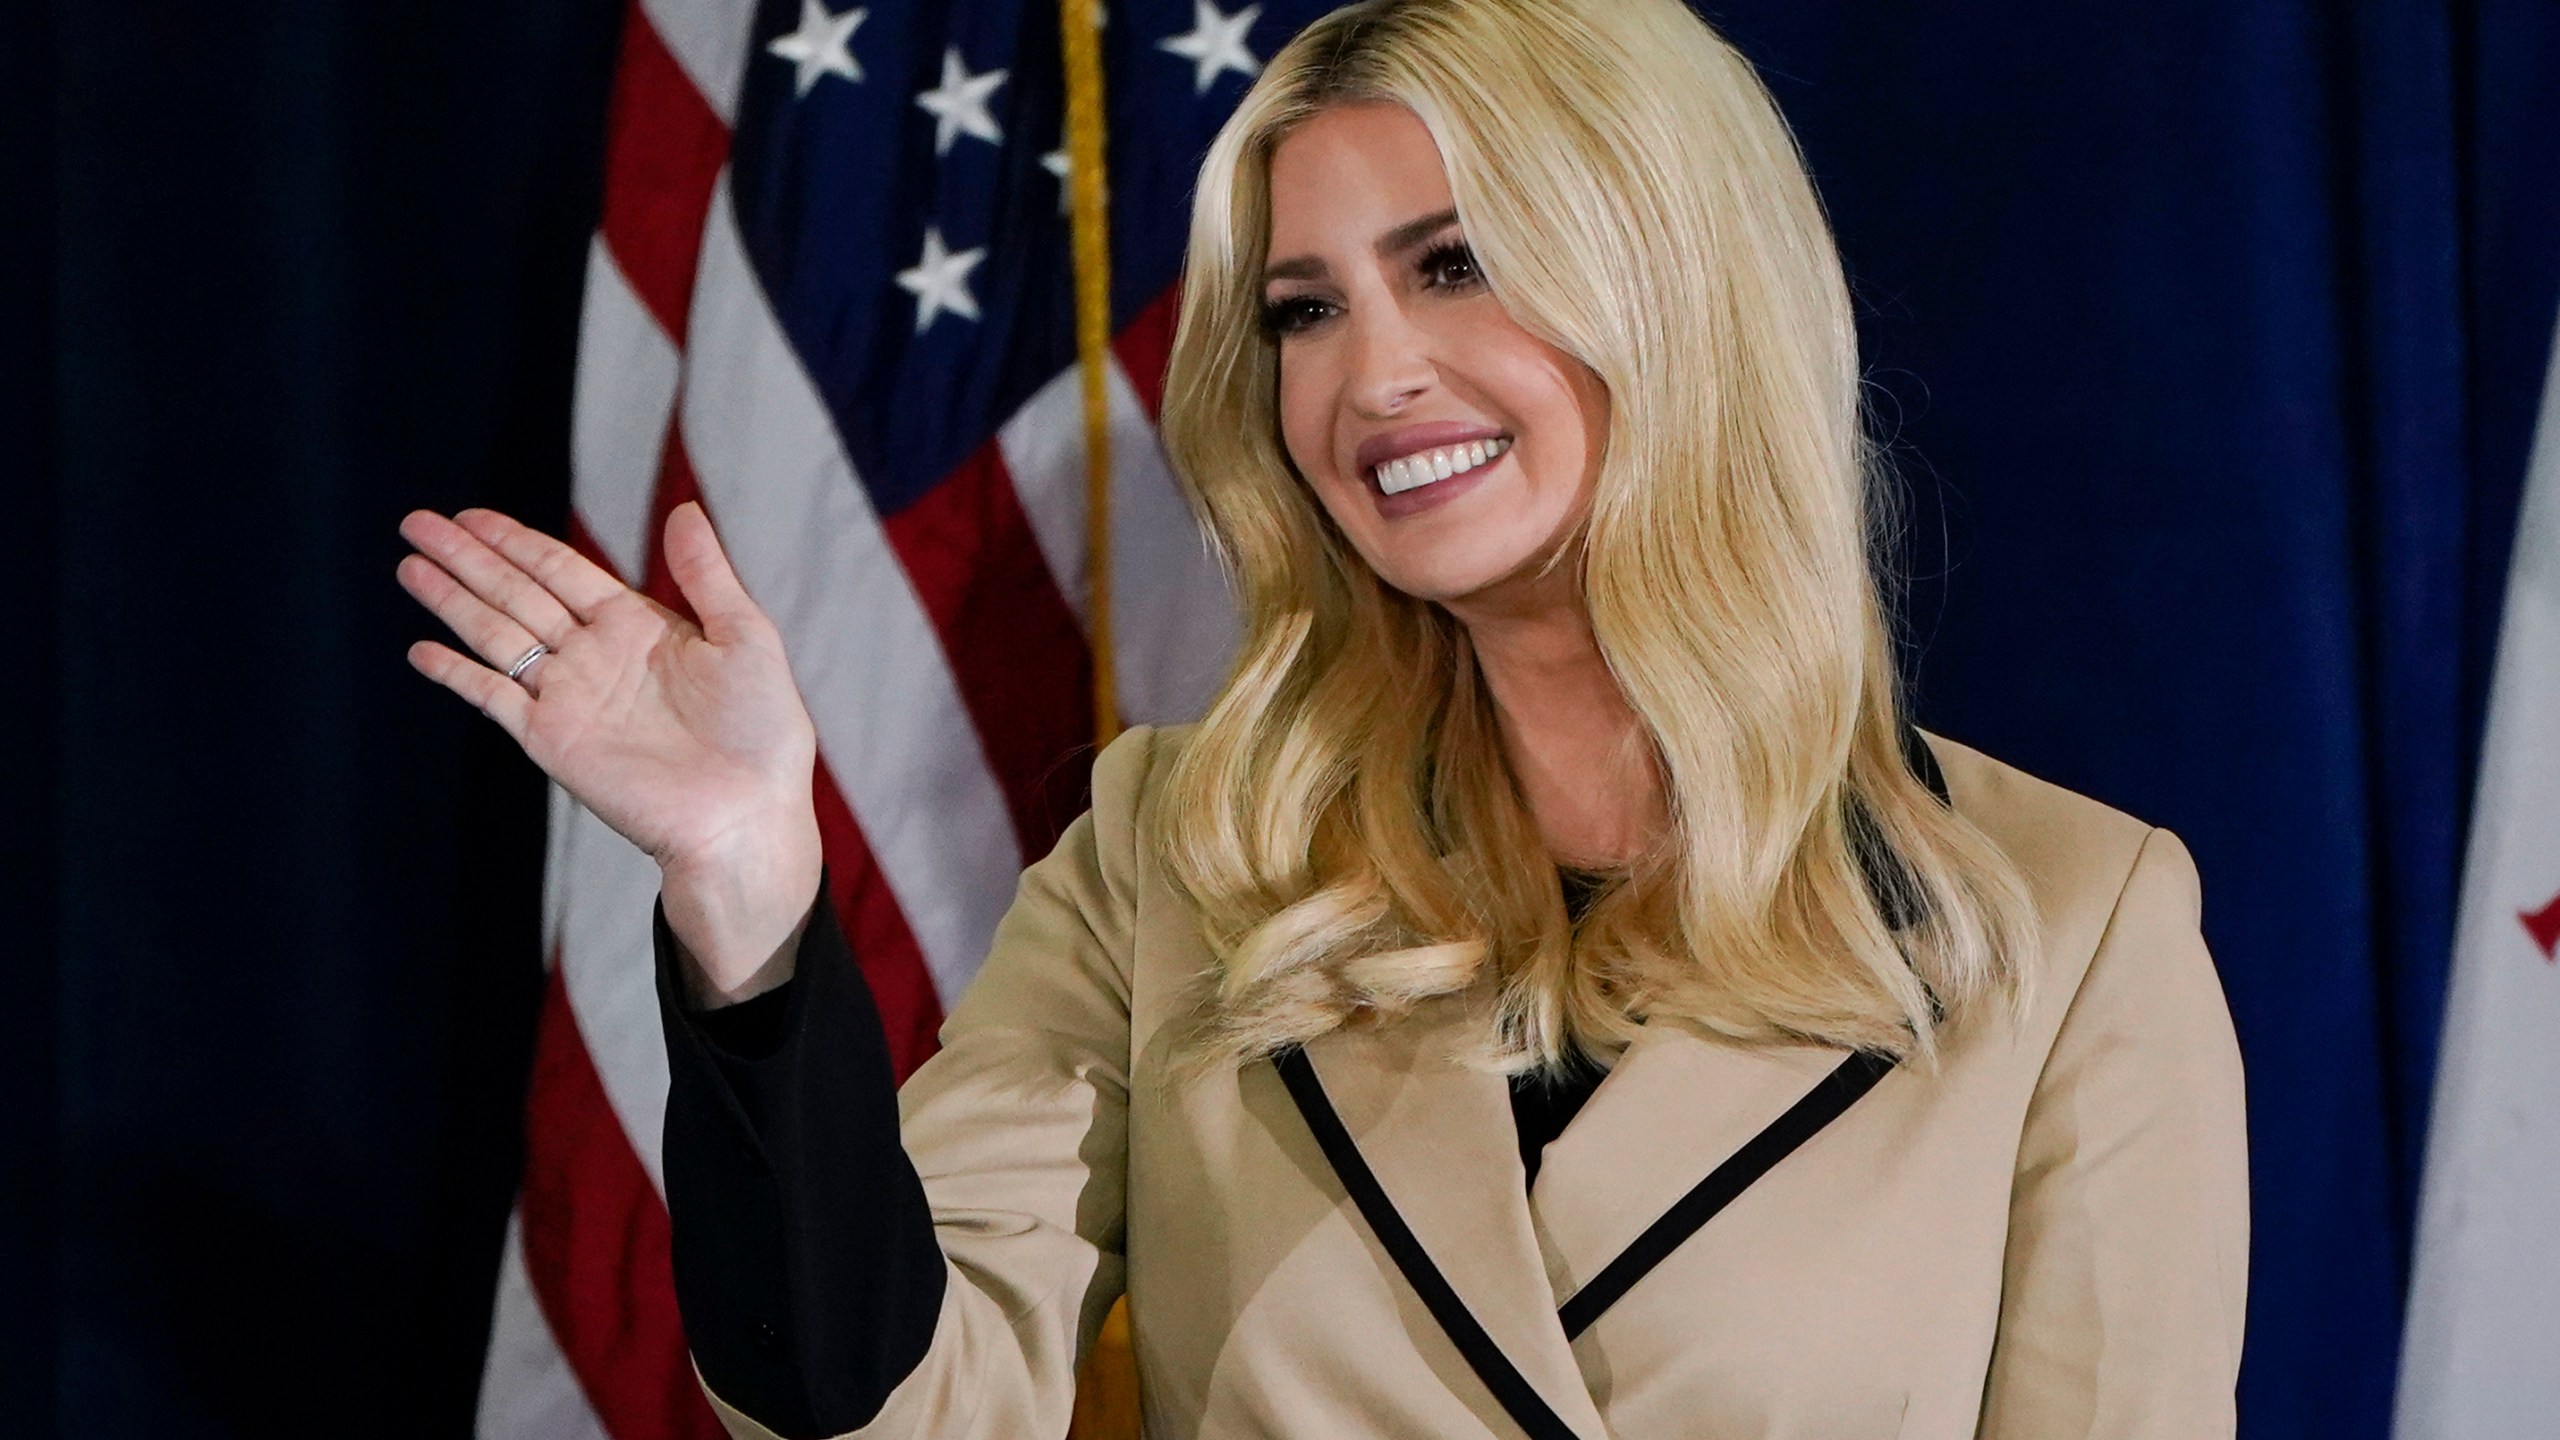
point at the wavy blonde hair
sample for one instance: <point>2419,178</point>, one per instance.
<point>1633,197</point>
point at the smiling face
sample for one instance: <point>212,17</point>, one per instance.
<point>1454,449</point>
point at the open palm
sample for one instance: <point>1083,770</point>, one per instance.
<point>690,740</point>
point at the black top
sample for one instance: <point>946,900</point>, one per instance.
<point>1542,1107</point>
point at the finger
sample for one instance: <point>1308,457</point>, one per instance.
<point>496,638</point>
<point>582,584</point>
<point>490,575</point>
<point>702,571</point>
<point>489,692</point>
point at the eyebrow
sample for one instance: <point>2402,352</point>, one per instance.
<point>1413,232</point>
<point>1402,238</point>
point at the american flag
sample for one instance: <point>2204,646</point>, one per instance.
<point>832,297</point>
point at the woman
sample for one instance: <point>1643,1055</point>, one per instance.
<point>1562,764</point>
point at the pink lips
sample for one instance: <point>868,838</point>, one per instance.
<point>1395,444</point>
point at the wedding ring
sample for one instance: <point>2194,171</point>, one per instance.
<point>523,663</point>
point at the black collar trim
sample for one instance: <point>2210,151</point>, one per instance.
<point>1826,1102</point>
<point>1510,1388</point>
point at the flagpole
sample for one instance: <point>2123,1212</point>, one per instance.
<point>1106,1392</point>
<point>1089,205</point>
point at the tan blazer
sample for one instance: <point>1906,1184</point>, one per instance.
<point>2045,1238</point>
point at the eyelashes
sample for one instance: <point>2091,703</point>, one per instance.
<point>1291,314</point>
<point>1449,252</point>
<point>1288,317</point>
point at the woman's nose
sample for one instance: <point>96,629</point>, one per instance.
<point>1391,360</point>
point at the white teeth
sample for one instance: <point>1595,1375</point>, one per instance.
<point>1412,472</point>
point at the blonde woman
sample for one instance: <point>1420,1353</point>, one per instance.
<point>1552,992</point>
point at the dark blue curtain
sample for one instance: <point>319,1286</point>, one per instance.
<point>2207,337</point>
<point>273,275</point>
<point>2205,334</point>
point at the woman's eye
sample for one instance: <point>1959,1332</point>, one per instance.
<point>1451,265</point>
<point>1287,317</point>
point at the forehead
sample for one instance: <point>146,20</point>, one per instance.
<point>1350,171</point>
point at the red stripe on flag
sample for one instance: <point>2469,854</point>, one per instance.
<point>883,945</point>
<point>663,151</point>
<point>595,1245</point>
<point>1145,348</point>
<point>1016,650</point>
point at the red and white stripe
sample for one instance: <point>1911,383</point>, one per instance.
<point>942,654</point>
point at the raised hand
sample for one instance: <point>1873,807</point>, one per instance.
<point>689,740</point>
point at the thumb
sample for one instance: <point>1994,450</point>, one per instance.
<point>703,573</point>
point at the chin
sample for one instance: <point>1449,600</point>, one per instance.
<point>1456,574</point>
<point>1474,544</point>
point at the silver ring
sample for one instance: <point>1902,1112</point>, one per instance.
<point>516,671</point>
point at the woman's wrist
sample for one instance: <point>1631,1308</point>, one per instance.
<point>737,910</point>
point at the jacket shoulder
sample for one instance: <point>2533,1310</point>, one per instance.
<point>2078,856</point>
<point>1128,788</point>
<point>1129,774</point>
<point>2041,825</point>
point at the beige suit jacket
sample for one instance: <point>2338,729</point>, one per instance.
<point>2044,1238</point>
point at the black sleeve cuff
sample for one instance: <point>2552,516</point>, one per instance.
<point>806,1265</point>
<point>748,1031</point>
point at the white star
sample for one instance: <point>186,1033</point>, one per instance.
<point>940,281</point>
<point>959,106</point>
<point>1215,44</point>
<point>822,45</point>
<point>1057,163</point>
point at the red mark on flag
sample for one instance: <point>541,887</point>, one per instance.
<point>2544,926</point>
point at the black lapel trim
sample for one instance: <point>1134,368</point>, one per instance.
<point>1826,1102</point>
<point>1512,1389</point>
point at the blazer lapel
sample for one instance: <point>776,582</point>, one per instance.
<point>1441,1142</point>
<point>1675,1106</point>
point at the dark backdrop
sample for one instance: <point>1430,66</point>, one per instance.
<point>2209,334</point>
<point>290,270</point>
<point>2206,335</point>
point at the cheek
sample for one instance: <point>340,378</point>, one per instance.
<point>1567,408</point>
<point>1590,400</point>
<point>1548,438</point>
<point>1300,430</point>
<point>1306,434</point>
